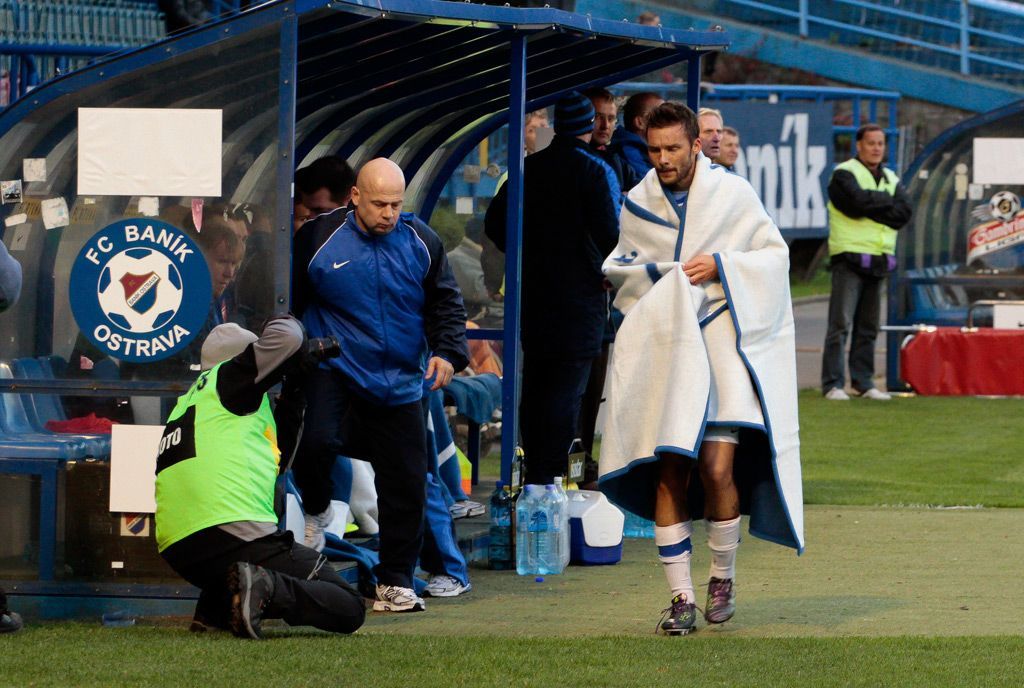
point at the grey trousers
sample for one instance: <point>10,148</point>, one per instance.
<point>856,301</point>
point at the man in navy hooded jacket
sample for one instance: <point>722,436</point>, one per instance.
<point>378,280</point>
<point>570,223</point>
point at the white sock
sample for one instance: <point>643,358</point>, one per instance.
<point>674,552</point>
<point>723,540</point>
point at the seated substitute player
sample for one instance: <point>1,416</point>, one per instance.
<point>216,470</point>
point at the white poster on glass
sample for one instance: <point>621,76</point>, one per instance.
<point>149,152</point>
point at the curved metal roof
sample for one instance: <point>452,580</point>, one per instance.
<point>421,81</point>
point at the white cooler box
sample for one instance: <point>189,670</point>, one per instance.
<point>595,529</point>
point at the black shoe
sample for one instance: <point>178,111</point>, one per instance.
<point>251,588</point>
<point>10,622</point>
<point>680,618</point>
<point>200,624</point>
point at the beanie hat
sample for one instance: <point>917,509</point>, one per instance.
<point>574,115</point>
<point>224,342</point>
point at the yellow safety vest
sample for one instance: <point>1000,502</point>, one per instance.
<point>862,235</point>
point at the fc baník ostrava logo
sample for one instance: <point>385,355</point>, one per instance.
<point>140,290</point>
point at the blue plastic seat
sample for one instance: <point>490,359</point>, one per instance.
<point>17,433</point>
<point>42,408</point>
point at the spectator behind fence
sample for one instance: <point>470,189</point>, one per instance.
<point>711,127</point>
<point>648,18</point>
<point>867,204</point>
<point>379,281</point>
<point>215,476</point>
<point>325,185</point>
<point>729,150</point>
<point>628,140</point>
<point>570,222</point>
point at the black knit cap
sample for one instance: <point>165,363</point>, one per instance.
<point>574,115</point>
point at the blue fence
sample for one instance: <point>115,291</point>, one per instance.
<point>978,37</point>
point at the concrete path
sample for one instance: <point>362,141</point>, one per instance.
<point>810,315</point>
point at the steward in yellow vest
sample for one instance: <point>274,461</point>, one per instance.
<point>866,206</point>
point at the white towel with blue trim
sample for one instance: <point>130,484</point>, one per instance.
<point>663,388</point>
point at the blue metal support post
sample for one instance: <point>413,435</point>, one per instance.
<point>513,253</point>
<point>285,158</point>
<point>803,19</point>
<point>693,82</point>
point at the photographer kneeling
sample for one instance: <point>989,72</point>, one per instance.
<point>216,471</point>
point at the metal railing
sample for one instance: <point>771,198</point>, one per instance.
<point>41,39</point>
<point>972,37</point>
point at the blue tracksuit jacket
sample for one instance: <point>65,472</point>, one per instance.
<point>390,300</point>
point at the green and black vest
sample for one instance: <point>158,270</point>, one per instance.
<point>213,466</point>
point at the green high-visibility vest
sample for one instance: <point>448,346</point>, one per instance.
<point>214,467</point>
<point>862,235</point>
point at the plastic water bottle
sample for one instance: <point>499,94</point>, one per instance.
<point>542,544</point>
<point>563,520</point>
<point>637,527</point>
<point>526,560</point>
<point>499,551</point>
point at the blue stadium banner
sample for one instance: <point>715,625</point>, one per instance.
<point>786,154</point>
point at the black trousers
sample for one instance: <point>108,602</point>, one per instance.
<point>393,439</point>
<point>856,302</point>
<point>549,412</point>
<point>590,407</point>
<point>307,590</point>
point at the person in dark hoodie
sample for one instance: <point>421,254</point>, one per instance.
<point>570,223</point>
<point>628,140</point>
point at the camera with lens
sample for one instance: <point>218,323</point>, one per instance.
<point>319,349</point>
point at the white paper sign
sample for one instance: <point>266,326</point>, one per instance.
<point>33,169</point>
<point>464,205</point>
<point>133,467</point>
<point>55,213</point>
<point>149,152</point>
<point>999,161</point>
<point>15,220</point>
<point>149,206</point>
<point>1008,316</point>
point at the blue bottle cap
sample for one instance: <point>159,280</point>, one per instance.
<point>538,579</point>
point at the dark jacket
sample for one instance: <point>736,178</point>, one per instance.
<point>570,223</point>
<point>890,210</point>
<point>625,175</point>
<point>390,301</point>
<point>632,150</point>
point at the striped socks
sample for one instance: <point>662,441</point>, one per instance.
<point>674,550</point>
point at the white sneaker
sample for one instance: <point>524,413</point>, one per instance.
<point>442,585</point>
<point>837,394</point>
<point>394,598</point>
<point>315,524</point>
<point>458,510</point>
<point>876,394</point>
